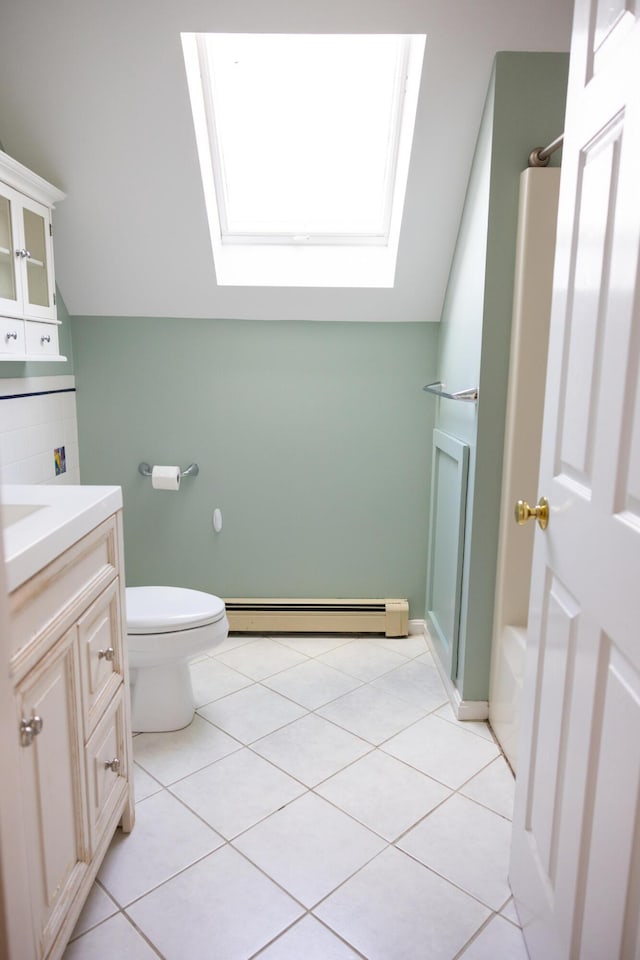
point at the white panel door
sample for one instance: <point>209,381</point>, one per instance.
<point>575,868</point>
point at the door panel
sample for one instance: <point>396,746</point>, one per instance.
<point>574,866</point>
<point>555,673</point>
<point>446,537</point>
<point>612,798</point>
<point>613,19</point>
<point>595,200</point>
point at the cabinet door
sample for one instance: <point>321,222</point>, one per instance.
<point>37,259</point>
<point>52,776</point>
<point>101,654</point>
<point>27,286</point>
<point>107,768</point>
<point>10,288</point>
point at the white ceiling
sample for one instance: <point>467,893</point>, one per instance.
<point>93,98</point>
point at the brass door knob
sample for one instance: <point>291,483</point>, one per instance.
<point>524,512</point>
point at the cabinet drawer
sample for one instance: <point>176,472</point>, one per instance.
<point>41,339</point>
<point>100,648</point>
<point>55,597</point>
<point>106,766</point>
<point>12,337</point>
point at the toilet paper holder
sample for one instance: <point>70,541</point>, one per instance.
<point>191,471</point>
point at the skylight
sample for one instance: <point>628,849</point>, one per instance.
<point>304,144</point>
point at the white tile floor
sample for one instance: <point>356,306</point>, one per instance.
<point>324,805</point>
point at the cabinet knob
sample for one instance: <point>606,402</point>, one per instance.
<point>11,335</point>
<point>30,729</point>
<point>108,654</point>
<point>24,254</point>
<point>113,765</point>
<point>46,338</point>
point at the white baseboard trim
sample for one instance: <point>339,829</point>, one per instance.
<point>470,709</point>
<point>462,709</point>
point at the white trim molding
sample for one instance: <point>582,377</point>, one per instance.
<point>462,709</point>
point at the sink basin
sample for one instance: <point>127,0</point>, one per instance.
<point>12,512</point>
<point>40,521</point>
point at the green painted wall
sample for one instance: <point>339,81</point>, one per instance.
<point>524,109</point>
<point>38,369</point>
<point>312,438</point>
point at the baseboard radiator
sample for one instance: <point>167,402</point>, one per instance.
<point>247,615</point>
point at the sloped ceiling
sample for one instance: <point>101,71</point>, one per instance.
<point>93,98</point>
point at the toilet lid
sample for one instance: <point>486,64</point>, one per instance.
<point>165,609</point>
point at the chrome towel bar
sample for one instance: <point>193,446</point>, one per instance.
<point>468,396</point>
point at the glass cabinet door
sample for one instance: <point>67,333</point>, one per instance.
<point>8,286</point>
<point>36,227</point>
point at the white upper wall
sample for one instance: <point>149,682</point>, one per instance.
<point>93,97</point>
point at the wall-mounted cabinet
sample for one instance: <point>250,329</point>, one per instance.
<point>28,313</point>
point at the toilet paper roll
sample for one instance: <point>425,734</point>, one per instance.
<point>165,478</point>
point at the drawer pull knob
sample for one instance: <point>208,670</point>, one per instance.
<point>46,338</point>
<point>30,729</point>
<point>108,654</point>
<point>11,335</point>
<point>113,765</point>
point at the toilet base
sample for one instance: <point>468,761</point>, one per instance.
<point>161,698</point>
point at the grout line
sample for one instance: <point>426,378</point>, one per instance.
<point>452,883</point>
<point>306,789</point>
<point>117,909</point>
<point>121,911</point>
<point>338,936</point>
<point>191,772</point>
<point>271,879</point>
<point>130,903</point>
<point>143,935</point>
<point>474,936</point>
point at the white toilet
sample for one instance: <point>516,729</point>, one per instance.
<point>167,627</point>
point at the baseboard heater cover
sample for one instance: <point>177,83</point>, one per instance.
<point>251,615</point>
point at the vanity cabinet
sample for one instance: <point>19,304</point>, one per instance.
<point>28,312</point>
<point>70,679</point>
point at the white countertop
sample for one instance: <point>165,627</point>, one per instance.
<point>41,521</point>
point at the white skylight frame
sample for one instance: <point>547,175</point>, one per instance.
<point>290,256</point>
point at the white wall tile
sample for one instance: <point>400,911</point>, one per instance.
<point>31,427</point>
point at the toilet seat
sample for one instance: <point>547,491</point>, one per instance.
<point>153,610</point>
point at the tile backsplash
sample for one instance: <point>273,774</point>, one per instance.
<point>38,430</point>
